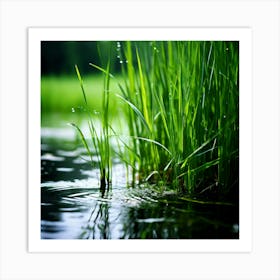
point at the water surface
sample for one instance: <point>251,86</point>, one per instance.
<point>72,206</point>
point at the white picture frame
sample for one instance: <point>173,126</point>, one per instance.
<point>259,259</point>
<point>242,35</point>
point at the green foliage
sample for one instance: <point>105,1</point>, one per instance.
<point>100,141</point>
<point>184,95</point>
<point>181,106</point>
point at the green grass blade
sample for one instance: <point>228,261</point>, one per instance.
<point>83,138</point>
<point>136,110</point>
<point>143,93</point>
<point>152,141</point>
<point>185,161</point>
<point>106,72</point>
<point>81,83</point>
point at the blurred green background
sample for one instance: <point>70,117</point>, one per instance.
<point>60,88</point>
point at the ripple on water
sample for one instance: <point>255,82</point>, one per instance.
<point>65,169</point>
<point>90,183</point>
<point>51,157</point>
<point>155,220</point>
<point>73,206</point>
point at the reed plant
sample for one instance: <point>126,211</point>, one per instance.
<point>181,112</point>
<point>185,96</point>
<point>99,142</point>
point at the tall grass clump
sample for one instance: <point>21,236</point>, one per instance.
<point>182,113</point>
<point>99,142</point>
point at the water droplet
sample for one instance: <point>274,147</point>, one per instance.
<point>118,44</point>
<point>73,110</point>
<point>126,61</point>
<point>225,116</point>
<point>226,49</point>
<point>121,61</point>
<point>118,56</point>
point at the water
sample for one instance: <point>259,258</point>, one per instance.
<point>72,206</point>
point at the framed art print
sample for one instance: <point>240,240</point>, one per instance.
<point>137,139</point>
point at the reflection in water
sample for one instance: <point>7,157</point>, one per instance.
<point>98,226</point>
<point>72,206</point>
<point>164,221</point>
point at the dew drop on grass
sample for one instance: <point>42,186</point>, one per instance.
<point>121,61</point>
<point>225,116</point>
<point>73,110</point>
